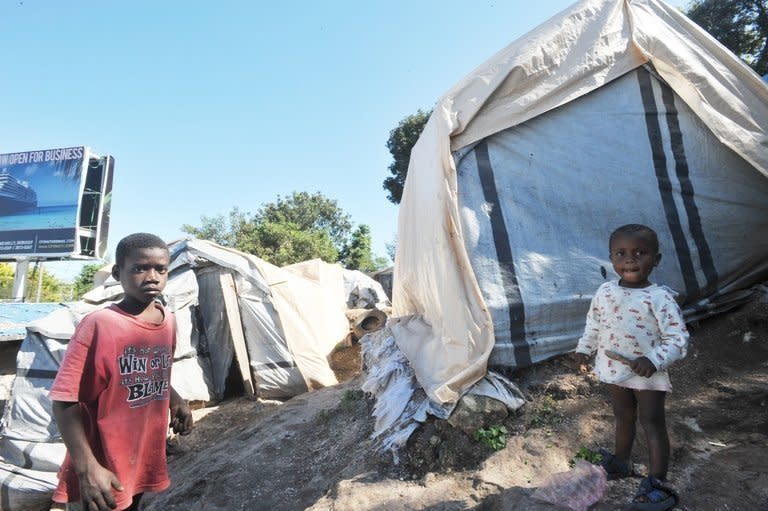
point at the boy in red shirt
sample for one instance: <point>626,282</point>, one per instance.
<point>113,390</point>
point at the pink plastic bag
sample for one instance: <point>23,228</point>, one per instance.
<point>576,489</point>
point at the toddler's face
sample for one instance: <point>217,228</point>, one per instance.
<point>633,256</point>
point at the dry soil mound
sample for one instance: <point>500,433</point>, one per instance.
<point>314,452</point>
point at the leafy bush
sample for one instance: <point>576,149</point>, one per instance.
<point>494,437</point>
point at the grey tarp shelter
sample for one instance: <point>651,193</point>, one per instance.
<point>611,112</point>
<point>236,314</point>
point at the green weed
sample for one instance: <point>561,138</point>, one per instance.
<point>546,413</point>
<point>494,437</point>
<point>586,454</point>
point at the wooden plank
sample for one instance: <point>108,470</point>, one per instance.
<point>229,292</point>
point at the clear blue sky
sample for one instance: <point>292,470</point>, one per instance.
<point>208,106</point>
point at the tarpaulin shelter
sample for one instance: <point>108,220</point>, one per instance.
<point>273,328</point>
<point>611,112</point>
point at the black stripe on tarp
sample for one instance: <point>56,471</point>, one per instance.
<point>27,454</point>
<point>686,189</point>
<point>5,491</point>
<point>7,482</point>
<point>501,242</point>
<point>48,374</point>
<point>665,186</point>
<point>283,364</point>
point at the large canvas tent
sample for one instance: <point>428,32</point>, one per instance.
<point>272,328</point>
<point>611,112</point>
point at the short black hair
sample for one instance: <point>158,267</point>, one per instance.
<point>638,230</point>
<point>136,241</point>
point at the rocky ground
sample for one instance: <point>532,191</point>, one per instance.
<point>314,452</point>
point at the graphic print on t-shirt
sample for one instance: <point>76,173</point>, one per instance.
<point>145,373</point>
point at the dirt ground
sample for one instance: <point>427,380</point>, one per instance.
<point>314,451</point>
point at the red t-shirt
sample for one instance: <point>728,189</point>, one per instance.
<point>119,369</point>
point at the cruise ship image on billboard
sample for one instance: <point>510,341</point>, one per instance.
<point>15,196</point>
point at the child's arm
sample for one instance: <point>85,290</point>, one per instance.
<point>181,415</point>
<point>673,343</point>
<point>588,343</point>
<point>674,335</point>
<point>96,482</point>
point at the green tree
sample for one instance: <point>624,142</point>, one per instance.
<point>401,141</point>
<point>51,290</point>
<point>358,255</point>
<point>299,227</point>
<point>84,280</point>
<point>6,281</point>
<point>286,243</point>
<point>740,25</point>
<point>309,212</point>
<point>232,231</point>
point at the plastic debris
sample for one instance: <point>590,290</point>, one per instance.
<point>575,489</point>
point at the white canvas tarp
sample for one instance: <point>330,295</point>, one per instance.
<point>445,326</point>
<point>290,319</point>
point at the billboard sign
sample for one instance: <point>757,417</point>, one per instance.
<point>52,203</point>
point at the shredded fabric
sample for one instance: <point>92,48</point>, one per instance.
<point>401,404</point>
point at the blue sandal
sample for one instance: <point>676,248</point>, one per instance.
<point>654,495</point>
<point>613,466</point>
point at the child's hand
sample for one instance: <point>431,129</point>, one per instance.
<point>642,366</point>
<point>181,415</point>
<point>96,485</point>
<point>582,361</point>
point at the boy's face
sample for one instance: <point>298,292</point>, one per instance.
<point>144,273</point>
<point>633,256</point>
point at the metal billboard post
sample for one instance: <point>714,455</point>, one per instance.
<point>20,280</point>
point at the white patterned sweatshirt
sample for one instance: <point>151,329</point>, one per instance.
<point>635,323</point>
